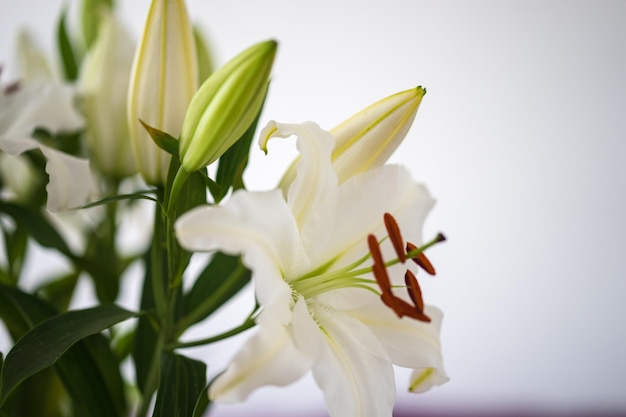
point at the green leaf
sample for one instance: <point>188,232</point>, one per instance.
<point>59,291</point>
<point>68,57</point>
<point>222,278</point>
<point>202,404</point>
<point>44,344</point>
<point>183,381</point>
<point>15,244</point>
<point>90,372</point>
<point>233,162</point>
<point>20,311</point>
<point>162,139</point>
<point>36,225</point>
<point>134,196</point>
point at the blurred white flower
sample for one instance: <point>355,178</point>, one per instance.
<point>104,80</point>
<point>23,108</point>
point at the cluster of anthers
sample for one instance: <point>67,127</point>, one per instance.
<point>409,251</point>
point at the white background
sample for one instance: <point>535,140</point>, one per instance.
<point>521,138</point>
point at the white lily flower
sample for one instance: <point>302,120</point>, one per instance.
<point>311,263</point>
<point>49,106</point>
<point>104,80</point>
<point>163,81</point>
<point>367,139</point>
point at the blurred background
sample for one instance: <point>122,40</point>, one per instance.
<point>522,140</point>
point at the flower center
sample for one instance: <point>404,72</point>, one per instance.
<point>357,275</point>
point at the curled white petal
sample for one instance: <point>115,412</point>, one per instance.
<point>70,184</point>
<point>47,106</point>
<point>316,179</point>
<point>260,227</point>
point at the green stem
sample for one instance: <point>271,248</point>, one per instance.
<point>247,324</point>
<point>160,299</point>
<point>177,185</point>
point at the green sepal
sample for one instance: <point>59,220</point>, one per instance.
<point>162,139</point>
<point>69,59</point>
<point>43,345</point>
<point>183,381</point>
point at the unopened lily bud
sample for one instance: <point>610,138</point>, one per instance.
<point>225,106</point>
<point>367,139</point>
<point>163,81</point>
<point>104,79</point>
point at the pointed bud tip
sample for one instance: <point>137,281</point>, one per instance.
<point>441,237</point>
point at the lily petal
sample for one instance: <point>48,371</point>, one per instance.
<point>268,358</point>
<point>353,370</point>
<point>358,211</point>
<point>410,343</point>
<point>316,180</point>
<point>70,184</point>
<point>260,227</point>
<point>48,106</point>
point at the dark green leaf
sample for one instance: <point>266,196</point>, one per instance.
<point>15,244</point>
<point>202,404</point>
<point>20,311</point>
<point>183,380</point>
<point>37,226</point>
<point>59,291</point>
<point>44,344</point>
<point>233,162</point>
<point>223,277</point>
<point>163,140</point>
<point>68,57</point>
<point>89,370</point>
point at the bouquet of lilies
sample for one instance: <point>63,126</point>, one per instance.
<point>333,252</point>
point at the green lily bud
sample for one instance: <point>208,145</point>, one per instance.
<point>225,106</point>
<point>104,78</point>
<point>163,81</point>
<point>368,138</point>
